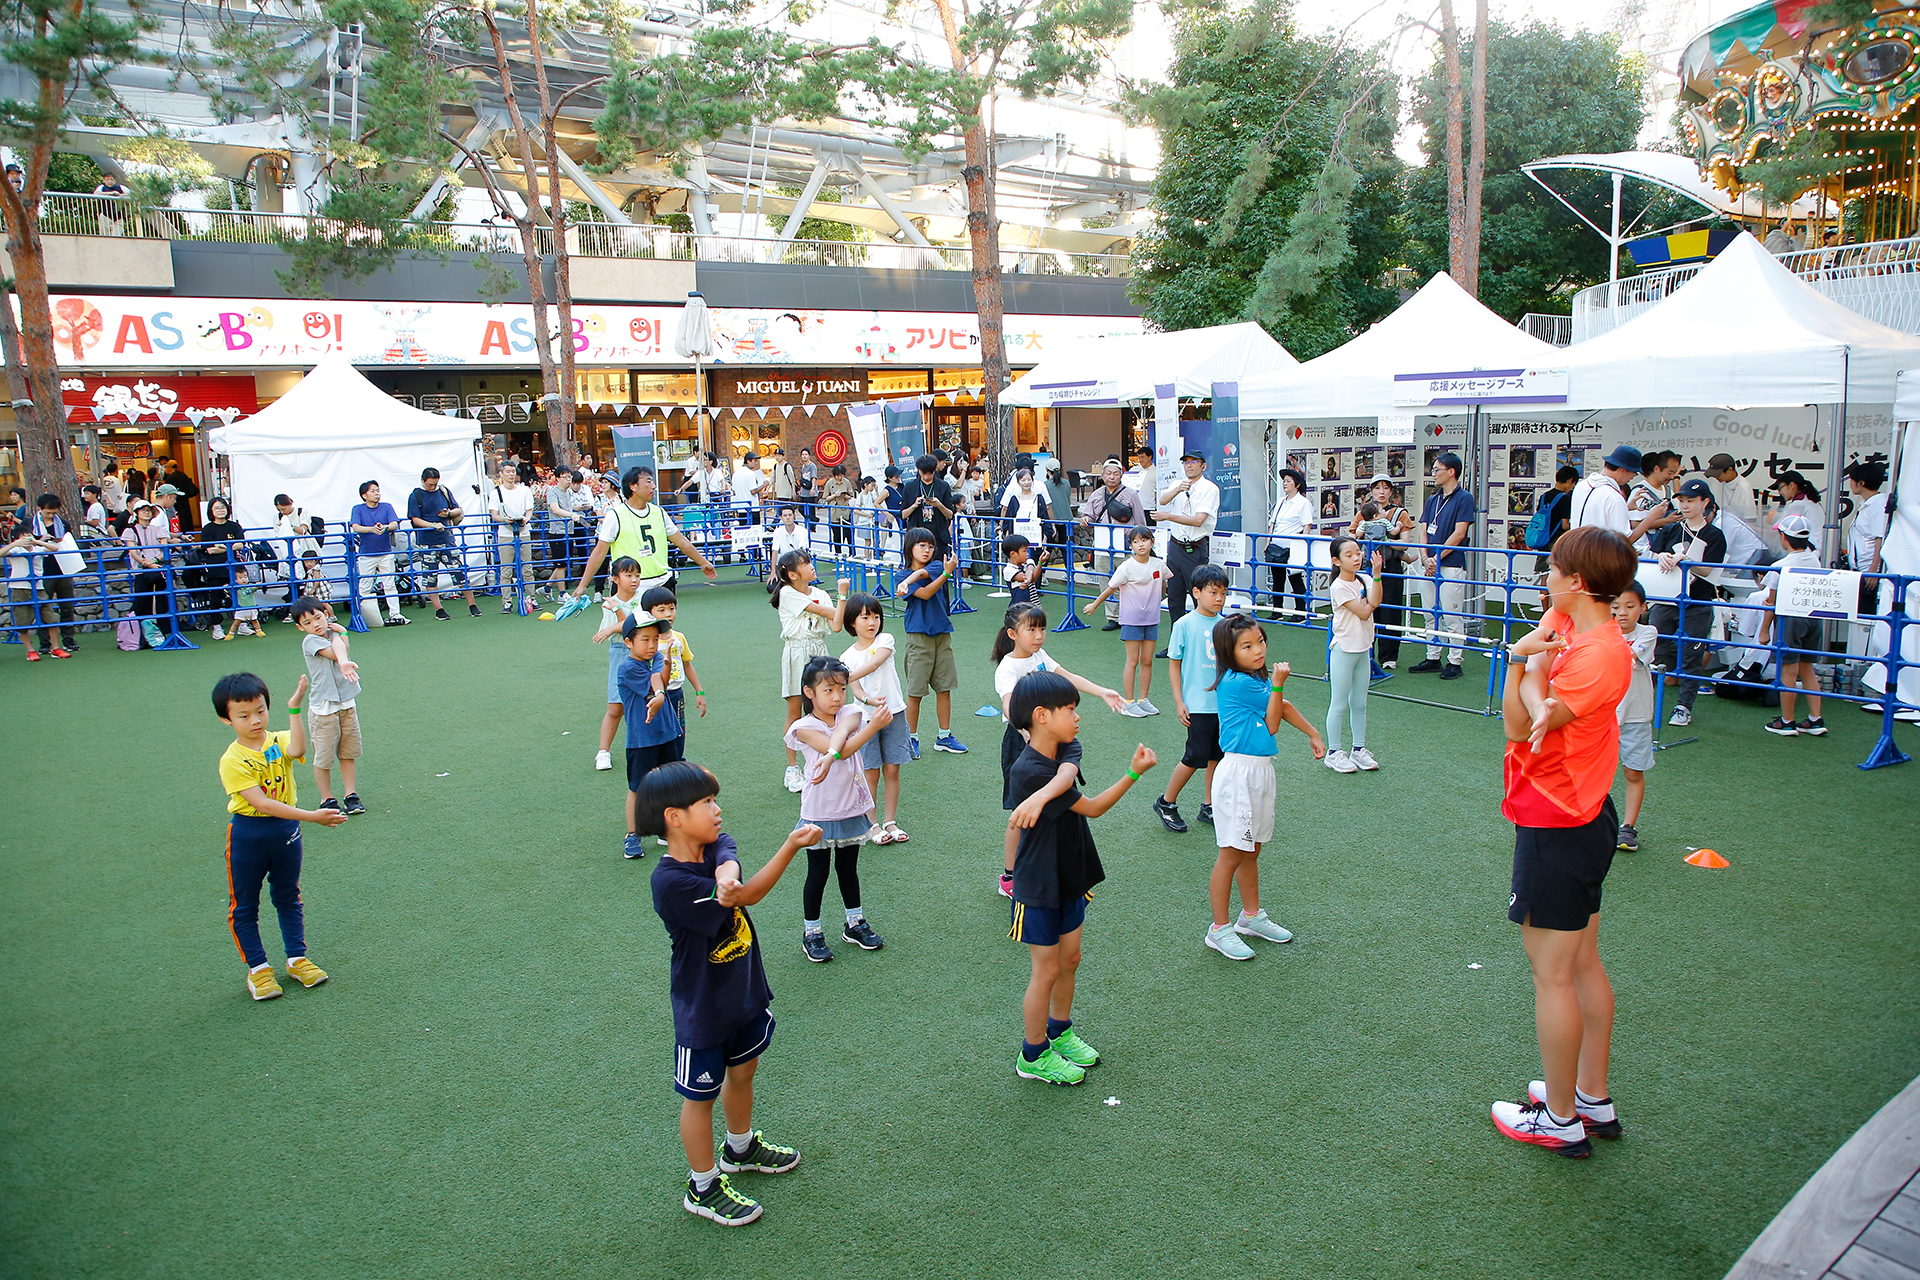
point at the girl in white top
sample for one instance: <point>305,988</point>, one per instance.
<point>511,508</point>
<point>872,684</point>
<point>866,517</point>
<point>807,615</point>
<point>614,612</point>
<point>1020,650</point>
<point>1349,660</point>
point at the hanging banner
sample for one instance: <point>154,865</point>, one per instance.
<point>1223,453</point>
<point>906,435</point>
<point>633,446</point>
<point>869,428</point>
<point>1481,386</point>
<point>1166,439</point>
<point>161,397</point>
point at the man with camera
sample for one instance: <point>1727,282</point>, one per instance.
<point>1113,504</point>
<point>511,506</point>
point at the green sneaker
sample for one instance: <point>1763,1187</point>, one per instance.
<point>760,1156</point>
<point>1070,1046</point>
<point>720,1203</point>
<point>1050,1067</point>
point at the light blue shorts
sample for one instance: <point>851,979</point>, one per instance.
<point>615,652</point>
<point>1130,632</point>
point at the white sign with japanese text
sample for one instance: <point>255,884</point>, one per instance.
<point>1817,593</point>
<point>1481,386</point>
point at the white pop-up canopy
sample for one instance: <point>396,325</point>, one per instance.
<point>1745,331</point>
<point>332,433</point>
<point>1127,367</point>
<point>1440,329</point>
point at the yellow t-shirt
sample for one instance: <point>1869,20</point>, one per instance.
<point>270,769</point>
<point>679,653</point>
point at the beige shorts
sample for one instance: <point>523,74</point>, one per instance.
<point>794,656</point>
<point>930,665</point>
<point>333,738</point>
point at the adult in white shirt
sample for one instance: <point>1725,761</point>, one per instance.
<point>1657,470</point>
<point>1738,512</point>
<point>511,507</point>
<point>789,535</point>
<point>1601,500</point>
<point>1797,495</point>
<point>112,492</point>
<point>1864,539</point>
<point>1292,516</point>
<point>1189,509</point>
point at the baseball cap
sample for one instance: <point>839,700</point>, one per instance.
<point>134,504</point>
<point>1720,462</point>
<point>166,491</point>
<point>1194,454</point>
<point>1694,488</point>
<point>633,624</point>
<point>1795,524</point>
<point>1624,458</point>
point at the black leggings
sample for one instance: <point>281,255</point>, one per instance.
<point>846,860</point>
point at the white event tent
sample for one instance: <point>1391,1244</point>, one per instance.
<point>1127,367</point>
<point>1900,552</point>
<point>329,435</point>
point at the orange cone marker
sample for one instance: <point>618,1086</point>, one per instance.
<point>1706,858</point>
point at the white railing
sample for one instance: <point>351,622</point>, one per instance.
<point>1557,330</point>
<point>1879,280</point>
<point>87,215</point>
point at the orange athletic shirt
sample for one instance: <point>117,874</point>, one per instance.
<point>1565,784</point>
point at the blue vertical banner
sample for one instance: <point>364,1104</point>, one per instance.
<point>633,446</point>
<point>906,435</point>
<point>1165,442</point>
<point>1223,452</point>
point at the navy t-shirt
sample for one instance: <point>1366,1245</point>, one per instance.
<point>635,681</point>
<point>927,617</point>
<point>428,504</point>
<point>374,544</point>
<point>1055,861</point>
<point>1437,518</point>
<point>718,983</point>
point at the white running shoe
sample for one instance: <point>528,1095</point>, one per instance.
<point>1598,1118</point>
<point>1681,718</point>
<point>1133,709</point>
<point>1341,762</point>
<point>1147,708</point>
<point>243,629</point>
<point>218,634</point>
<point>1261,927</point>
<point>793,777</point>
<point>603,760</point>
<point>1364,758</point>
<point>1530,1122</point>
<point>1227,943</point>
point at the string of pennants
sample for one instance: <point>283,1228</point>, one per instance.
<point>725,411</point>
<point>161,414</point>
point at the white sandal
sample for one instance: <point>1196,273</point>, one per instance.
<point>877,834</point>
<point>897,836</point>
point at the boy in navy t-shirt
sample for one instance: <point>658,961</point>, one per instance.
<point>721,1018</point>
<point>653,730</point>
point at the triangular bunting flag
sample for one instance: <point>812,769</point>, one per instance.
<point>227,416</point>
<point>165,414</point>
<point>194,416</point>
<point>450,413</point>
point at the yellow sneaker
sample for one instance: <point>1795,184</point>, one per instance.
<point>260,983</point>
<point>306,972</point>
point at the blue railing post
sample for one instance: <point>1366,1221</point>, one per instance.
<point>174,640</point>
<point>356,619</point>
<point>1885,751</point>
<point>1071,622</point>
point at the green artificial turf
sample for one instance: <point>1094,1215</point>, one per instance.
<point>482,1090</point>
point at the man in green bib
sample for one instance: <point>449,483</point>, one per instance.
<point>641,528</point>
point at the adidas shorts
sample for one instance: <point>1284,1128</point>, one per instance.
<point>1042,926</point>
<point>697,1073</point>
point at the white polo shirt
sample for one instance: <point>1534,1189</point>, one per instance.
<point>1203,499</point>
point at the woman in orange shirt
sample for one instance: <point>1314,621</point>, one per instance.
<point>1567,677</point>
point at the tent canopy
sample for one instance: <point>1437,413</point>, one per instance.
<point>334,431</point>
<point>1675,173</point>
<point>1192,359</point>
<point>1438,330</point>
<point>1744,331</point>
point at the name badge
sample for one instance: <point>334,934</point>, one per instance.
<point>1432,529</point>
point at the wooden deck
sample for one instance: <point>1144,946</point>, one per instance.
<point>1858,1218</point>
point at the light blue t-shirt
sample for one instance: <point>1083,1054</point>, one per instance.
<point>1243,716</point>
<point>1192,646</point>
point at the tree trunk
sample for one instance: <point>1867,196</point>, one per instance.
<point>1456,177</point>
<point>46,462</point>
<point>560,417</point>
<point>1476,147</point>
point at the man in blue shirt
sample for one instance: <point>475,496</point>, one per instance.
<point>1447,519</point>
<point>372,524</point>
<point>433,512</point>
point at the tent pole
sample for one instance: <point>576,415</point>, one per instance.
<point>1613,241</point>
<point>1837,448</point>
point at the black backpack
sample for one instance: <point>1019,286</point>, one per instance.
<point>316,526</point>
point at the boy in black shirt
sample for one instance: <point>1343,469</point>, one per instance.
<point>721,1022</point>
<point>1054,870</point>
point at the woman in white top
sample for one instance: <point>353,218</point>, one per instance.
<point>1399,524</point>
<point>1292,516</point>
<point>1026,511</point>
<point>1799,497</point>
<point>511,506</point>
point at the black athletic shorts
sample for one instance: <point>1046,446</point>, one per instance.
<point>642,761</point>
<point>1557,871</point>
<point>1203,740</point>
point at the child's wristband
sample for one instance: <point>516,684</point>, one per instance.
<point>834,756</point>
<point>1274,688</point>
<point>1134,776</point>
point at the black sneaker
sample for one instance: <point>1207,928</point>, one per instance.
<point>352,805</point>
<point>1111,625</point>
<point>399,620</point>
<point>1449,672</point>
<point>1422,668</point>
<point>815,947</point>
<point>441,615</point>
<point>760,1156</point>
<point>861,935</point>
<point>1629,841</point>
<point>1160,653</point>
<point>330,805</point>
<point>720,1203</point>
<point>1169,815</point>
<point>1814,728</point>
<point>1205,814</point>
<point>1782,728</point>
<point>474,609</point>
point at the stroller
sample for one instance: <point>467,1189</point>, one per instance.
<point>207,596</point>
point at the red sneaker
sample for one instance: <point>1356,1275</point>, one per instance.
<point>61,653</point>
<point>33,655</point>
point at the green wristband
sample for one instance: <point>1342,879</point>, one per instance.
<point>1133,775</point>
<point>1274,688</point>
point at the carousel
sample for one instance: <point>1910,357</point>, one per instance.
<point>1765,77</point>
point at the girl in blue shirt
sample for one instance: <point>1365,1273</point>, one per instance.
<point>1252,706</point>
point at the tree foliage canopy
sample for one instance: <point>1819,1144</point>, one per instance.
<point>1278,187</point>
<point>1548,93</point>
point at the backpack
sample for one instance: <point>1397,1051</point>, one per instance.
<point>127,634</point>
<point>317,527</point>
<point>1540,528</point>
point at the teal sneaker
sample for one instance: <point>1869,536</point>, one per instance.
<point>1261,927</point>
<point>1050,1067</point>
<point>1070,1046</point>
<point>720,1203</point>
